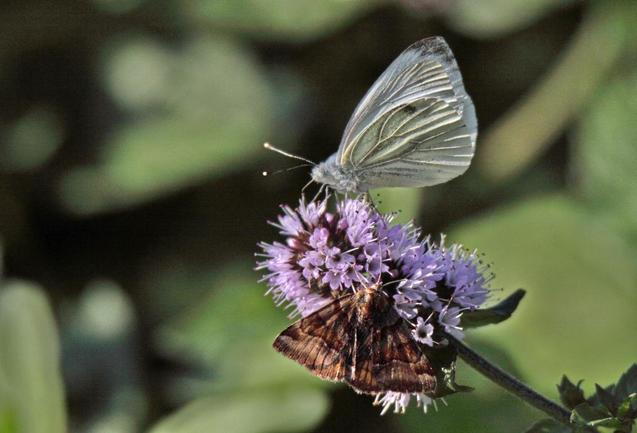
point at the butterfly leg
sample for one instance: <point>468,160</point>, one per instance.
<point>318,193</point>
<point>367,197</point>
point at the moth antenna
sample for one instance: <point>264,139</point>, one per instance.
<point>271,173</point>
<point>268,146</point>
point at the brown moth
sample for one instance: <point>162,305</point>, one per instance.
<point>360,339</point>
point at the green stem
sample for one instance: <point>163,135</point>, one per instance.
<point>510,383</point>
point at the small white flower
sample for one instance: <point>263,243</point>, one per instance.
<point>423,332</point>
<point>396,399</point>
<point>399,401</point>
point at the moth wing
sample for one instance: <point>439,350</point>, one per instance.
<point>321,341</point>
<point>400,364</point>
<point>390,360</point>
<point>388,125</point>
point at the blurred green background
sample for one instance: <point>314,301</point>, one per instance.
<point>131,202</point>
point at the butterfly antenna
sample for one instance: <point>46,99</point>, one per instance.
<point>271,173</point>
<point>306,185</point>
<point>268,146</point>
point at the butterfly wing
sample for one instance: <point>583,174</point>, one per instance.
<point>321,341</point>
<point>416,126</point>
<point>388,359</point>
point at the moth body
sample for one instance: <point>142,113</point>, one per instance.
<point>361,340</point>
<point>372,308</point>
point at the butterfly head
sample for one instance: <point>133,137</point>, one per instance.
<point>330,173</point>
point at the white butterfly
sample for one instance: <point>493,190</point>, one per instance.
<point>415,127</point>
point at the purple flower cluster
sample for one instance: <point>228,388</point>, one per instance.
<point>327,253</point>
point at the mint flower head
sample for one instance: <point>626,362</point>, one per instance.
<point>327,254</point>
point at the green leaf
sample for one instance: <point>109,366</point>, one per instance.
<point>491,18</point>
<point>405,203</point>
<point>548,426</point>
<point>610,422</point>
<point>523,134</point>
<point>231,330</point>
<point>289,20</point>
<point>226,317</point>
<point>607,399</point>
<point>190,120</point>
<point>605,155</point>
<point>30,359</point>
<point>571,395</point>
<point>492,315</point>
<point>571,267</point>
<point>628,407</point>
<point>249,412</point>
<point>7,419</point>
<point>627,383</point>
<point>585,413</point>
<point>31,140</point>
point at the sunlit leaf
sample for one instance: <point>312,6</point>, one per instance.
<point>196,114</point>
<point>403,202</point>
<point>30,359</point>
<point>137,72</point>
<point>606,154</point>
<point>280,19</point>
<point>231,330</point>
<point>226,316</point>
<point>31,140</point>
<point>7,419</point>
<point>251,412</point>
<point>522,135</point>
<point>576,273</point>
<point>490,18</point>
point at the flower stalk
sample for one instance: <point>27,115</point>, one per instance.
<point>510,383</point>
<point>329,255</point>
